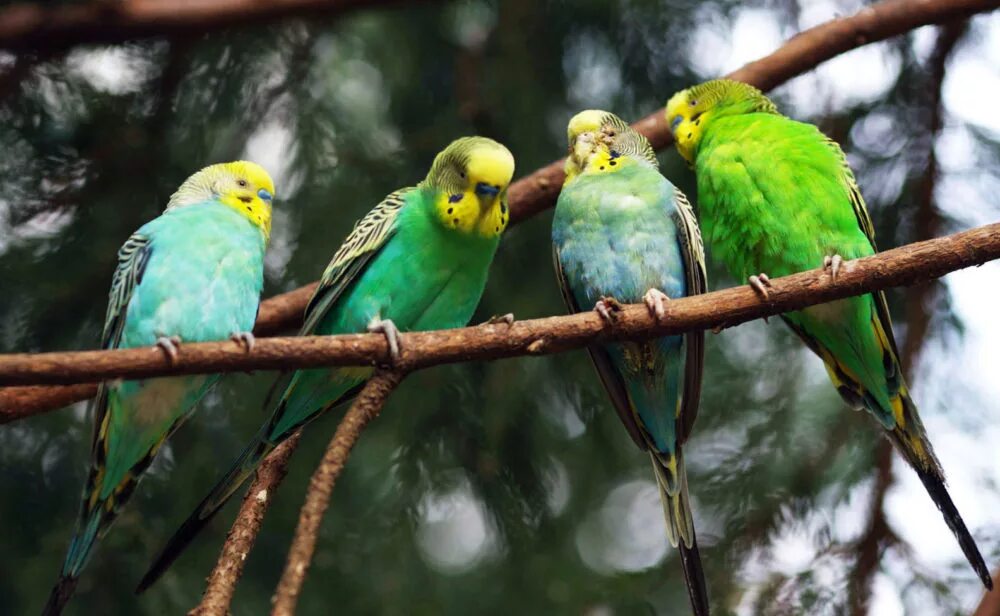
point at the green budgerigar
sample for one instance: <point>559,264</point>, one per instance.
<point>418,261</point>
<point>623,232</point>
<point>194,274</point>
<point>775,197</point>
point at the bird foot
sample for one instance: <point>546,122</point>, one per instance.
<point>655,301</point>
<point>608,307</point>
<point>169,345</point>
<point>500,318</point>
<point>833,263</point>
<point>760,284</point>
<point>388,329</point>
<point>244,339</point>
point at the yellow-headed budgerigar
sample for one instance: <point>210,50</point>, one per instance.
<point>623,232</point>
<point>777,197</point>
<point>194,274</point>
<point>418,261</point>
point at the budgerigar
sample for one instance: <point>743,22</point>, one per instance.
<point>418,261</point>
<point>776,197</point>
<point>194,274</point>
<point>623,232</point>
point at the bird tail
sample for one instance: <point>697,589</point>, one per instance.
<point>671,479</point>
<point>910,439</point>
<point>244,466</point>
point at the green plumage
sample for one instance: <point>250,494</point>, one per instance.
<point>420,259</point>
<point>776,196</point>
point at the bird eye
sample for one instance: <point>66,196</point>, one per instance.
<point>242,183</point>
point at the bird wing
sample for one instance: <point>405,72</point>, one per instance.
<point>370,234</point>
<point>610,377</point>
<point>693,254</point>
<point>133,257</point>
<point>866,226</point>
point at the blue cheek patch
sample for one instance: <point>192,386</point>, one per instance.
<point>676,122</point>
<point>265,195</point>
<point>454,198</point>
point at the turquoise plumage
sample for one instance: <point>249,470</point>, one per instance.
<point>622,231</point>
<point>194,274</point>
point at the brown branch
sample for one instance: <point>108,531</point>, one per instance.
<point>898,267</point>
<point>228,569</point>
<point>539,190</point>
<point>990,603</point>
<point>28,26</point>
<point>277,314</point>
<point>879,534</point>
<point>365,408</point>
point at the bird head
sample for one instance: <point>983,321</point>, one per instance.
<point>471,177</point>
<point>599,141</point>
<point>244,186</point>
<point>690,111</point>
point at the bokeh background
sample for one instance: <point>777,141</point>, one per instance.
<point>506,487</point>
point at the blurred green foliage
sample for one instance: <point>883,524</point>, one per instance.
<point>489,488</point>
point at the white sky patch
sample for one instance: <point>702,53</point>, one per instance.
<point>454,532</point>
<point>755,34</point>
<point>593,71</point>
<point>626,533</point>
<point>115,70</point>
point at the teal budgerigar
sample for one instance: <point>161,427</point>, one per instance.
<point>777,197</point>
<point>622,232</point>
<point>194,274</point>
<point>418,261</point>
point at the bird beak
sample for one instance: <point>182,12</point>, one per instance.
<point>487,193</point>
<point>582,148</point>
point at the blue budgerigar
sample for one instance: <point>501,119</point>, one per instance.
<point>623,232</point>
<point>194,274</point>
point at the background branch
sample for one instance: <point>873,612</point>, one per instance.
<point>30,26</point>
<point>365,408</point>
<point>538,190</point>
<point>229,567</point>
<point>878,534</point>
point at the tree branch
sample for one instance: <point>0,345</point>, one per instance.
<point>901,266</point>
<point>29,26</point>
<point>228,569</point>
<point>539,190</point>
<point>365,408</point>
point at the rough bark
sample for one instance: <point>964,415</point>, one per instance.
<point>229,567</point>
<point>898,267</point>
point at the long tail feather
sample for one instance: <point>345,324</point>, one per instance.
<point>672,481</point>
<point>60,595</point>
<point>245,465</point>
<point>911,441</point>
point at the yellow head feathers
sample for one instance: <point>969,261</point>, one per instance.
<point>470,177</point>
<point>600,141</point>
<point>244,186</point>
<point>690,110</point>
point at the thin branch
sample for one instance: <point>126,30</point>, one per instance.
<point>900,266</point>
<point>365,408</point>
<point>29,26</point>
<point>879,535</point>
<point>539,190</point>
<point>228,569</point>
